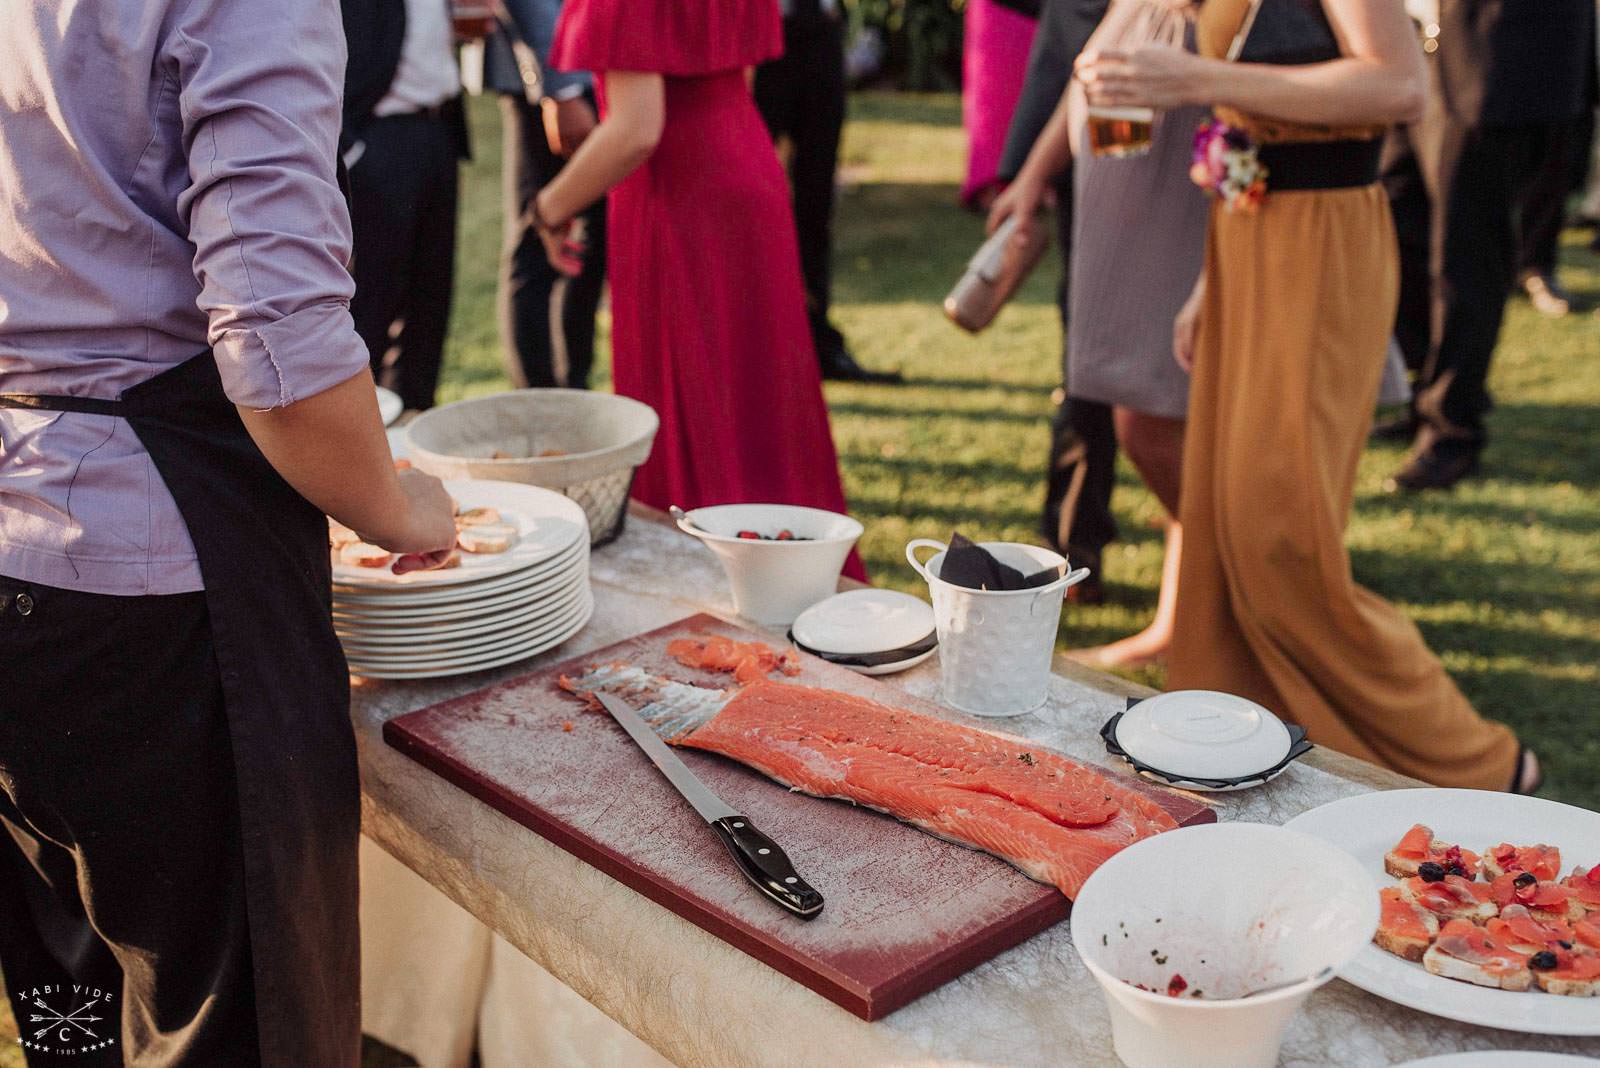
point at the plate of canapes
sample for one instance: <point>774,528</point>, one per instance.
<point>1490,905</point>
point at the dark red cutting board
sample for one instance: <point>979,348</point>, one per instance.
<point>905,911</point>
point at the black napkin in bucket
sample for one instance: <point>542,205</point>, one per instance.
<point>968,564</point>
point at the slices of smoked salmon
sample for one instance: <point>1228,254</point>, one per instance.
<point>1517,928</point>
<point>1545,900</point>
<point>1055,819</point>
<point>1418,845</point>
<point>1542,860</point>
<point>745,661</point>
<point>1404,928</point>
<point>1584,885</point>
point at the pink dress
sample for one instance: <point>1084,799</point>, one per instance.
<point>994,60</point>
<point>708,312</point>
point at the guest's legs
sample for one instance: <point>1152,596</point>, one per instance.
<point>1401,175</point>
<point>1082,466</point>
<point>426,313</point>
<point>818,126</point>
<point>1082,472</point>
<point>1155,445</point>
<point>546,320</point>
<point>1478,173</point>
<point>1544,202</point>
<point>385,186</point>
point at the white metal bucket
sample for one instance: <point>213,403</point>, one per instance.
<point>995,646</point>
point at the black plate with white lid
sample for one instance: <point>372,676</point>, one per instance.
<point>1204,740</point>
<point>874,632</point>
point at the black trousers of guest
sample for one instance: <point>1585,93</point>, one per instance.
<point>1077,516</point>
<point>1401,174</point>
<point>403,194</point>
<point>1478,177</point>
<point>801,96</point>
<point>546,319</point>
<point>1544,202</point>
<point>120,861</point>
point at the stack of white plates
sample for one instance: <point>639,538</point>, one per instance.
<point>493,609</point>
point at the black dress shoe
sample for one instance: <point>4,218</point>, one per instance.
<point>839,366</point>
<point>1398,429</point>
<point>1437,466</point>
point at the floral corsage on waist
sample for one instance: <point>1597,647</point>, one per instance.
<point>1226,166</point>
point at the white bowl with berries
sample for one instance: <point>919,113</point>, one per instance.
<point>780,558</point>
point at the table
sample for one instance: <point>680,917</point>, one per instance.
<point>435,972</point>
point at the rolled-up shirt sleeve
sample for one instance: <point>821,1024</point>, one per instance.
<point>258,89</point>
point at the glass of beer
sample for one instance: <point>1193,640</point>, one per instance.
<point>472,20</point>
<point>1120,131</point>
<point>1128,24</point>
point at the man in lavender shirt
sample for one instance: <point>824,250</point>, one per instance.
<point>182,397</point>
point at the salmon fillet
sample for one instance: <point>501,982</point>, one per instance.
<point>1053,818</point>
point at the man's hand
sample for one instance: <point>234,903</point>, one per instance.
<point>567,123</point>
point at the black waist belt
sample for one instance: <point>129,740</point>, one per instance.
<point>1320,164</point>
<point>44,403</point>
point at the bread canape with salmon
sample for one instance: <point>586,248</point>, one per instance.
<point>1584,885</point>
<point>1573,971</point>
<point>1586,932</point>
<point>1405,928</point>
<point>1543,861</point>
<point>1418,847</point>
<point>1547,901</point>
<point>1517,928</point>
<point>1471,954</point>
<point>1450,897</point>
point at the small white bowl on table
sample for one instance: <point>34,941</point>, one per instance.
<point>774,581</point>
<point>1233,908</point>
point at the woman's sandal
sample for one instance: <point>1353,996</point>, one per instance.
<point>1528,777</point>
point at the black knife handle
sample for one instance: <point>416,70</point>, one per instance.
<point>767,866</point>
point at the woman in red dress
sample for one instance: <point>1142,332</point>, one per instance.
<point>707,309</point>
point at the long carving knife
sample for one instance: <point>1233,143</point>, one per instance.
<point>758,857</point>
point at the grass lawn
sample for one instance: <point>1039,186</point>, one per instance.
<point>1503,575</point>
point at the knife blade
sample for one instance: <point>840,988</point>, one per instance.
<point>758,857</point>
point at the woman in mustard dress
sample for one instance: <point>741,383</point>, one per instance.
<point>1284,336</point>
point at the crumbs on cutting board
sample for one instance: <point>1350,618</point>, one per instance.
<point>567,725</point>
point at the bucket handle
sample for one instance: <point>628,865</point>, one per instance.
<point>1071,578</point>
<point>911,555</point>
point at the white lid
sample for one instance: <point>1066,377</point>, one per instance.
<point>864,621</point>
<point>1203,734</point>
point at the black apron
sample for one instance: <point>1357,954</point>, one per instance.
<point>263,554</point>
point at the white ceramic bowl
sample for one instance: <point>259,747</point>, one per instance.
<point>1232,907</point>
<point>774,581</point>
<point>594,442</point>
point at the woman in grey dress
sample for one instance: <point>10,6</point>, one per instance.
<point>1138,240</point>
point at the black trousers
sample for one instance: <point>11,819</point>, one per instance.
<point>1478,178</point>
<point>546,319</point>
<point>801,95</point>
<point>403,193</point>
<point>1082,472</point>
<point>1401,173</point>
<point>120,864</point>
<point>1544,202</point>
